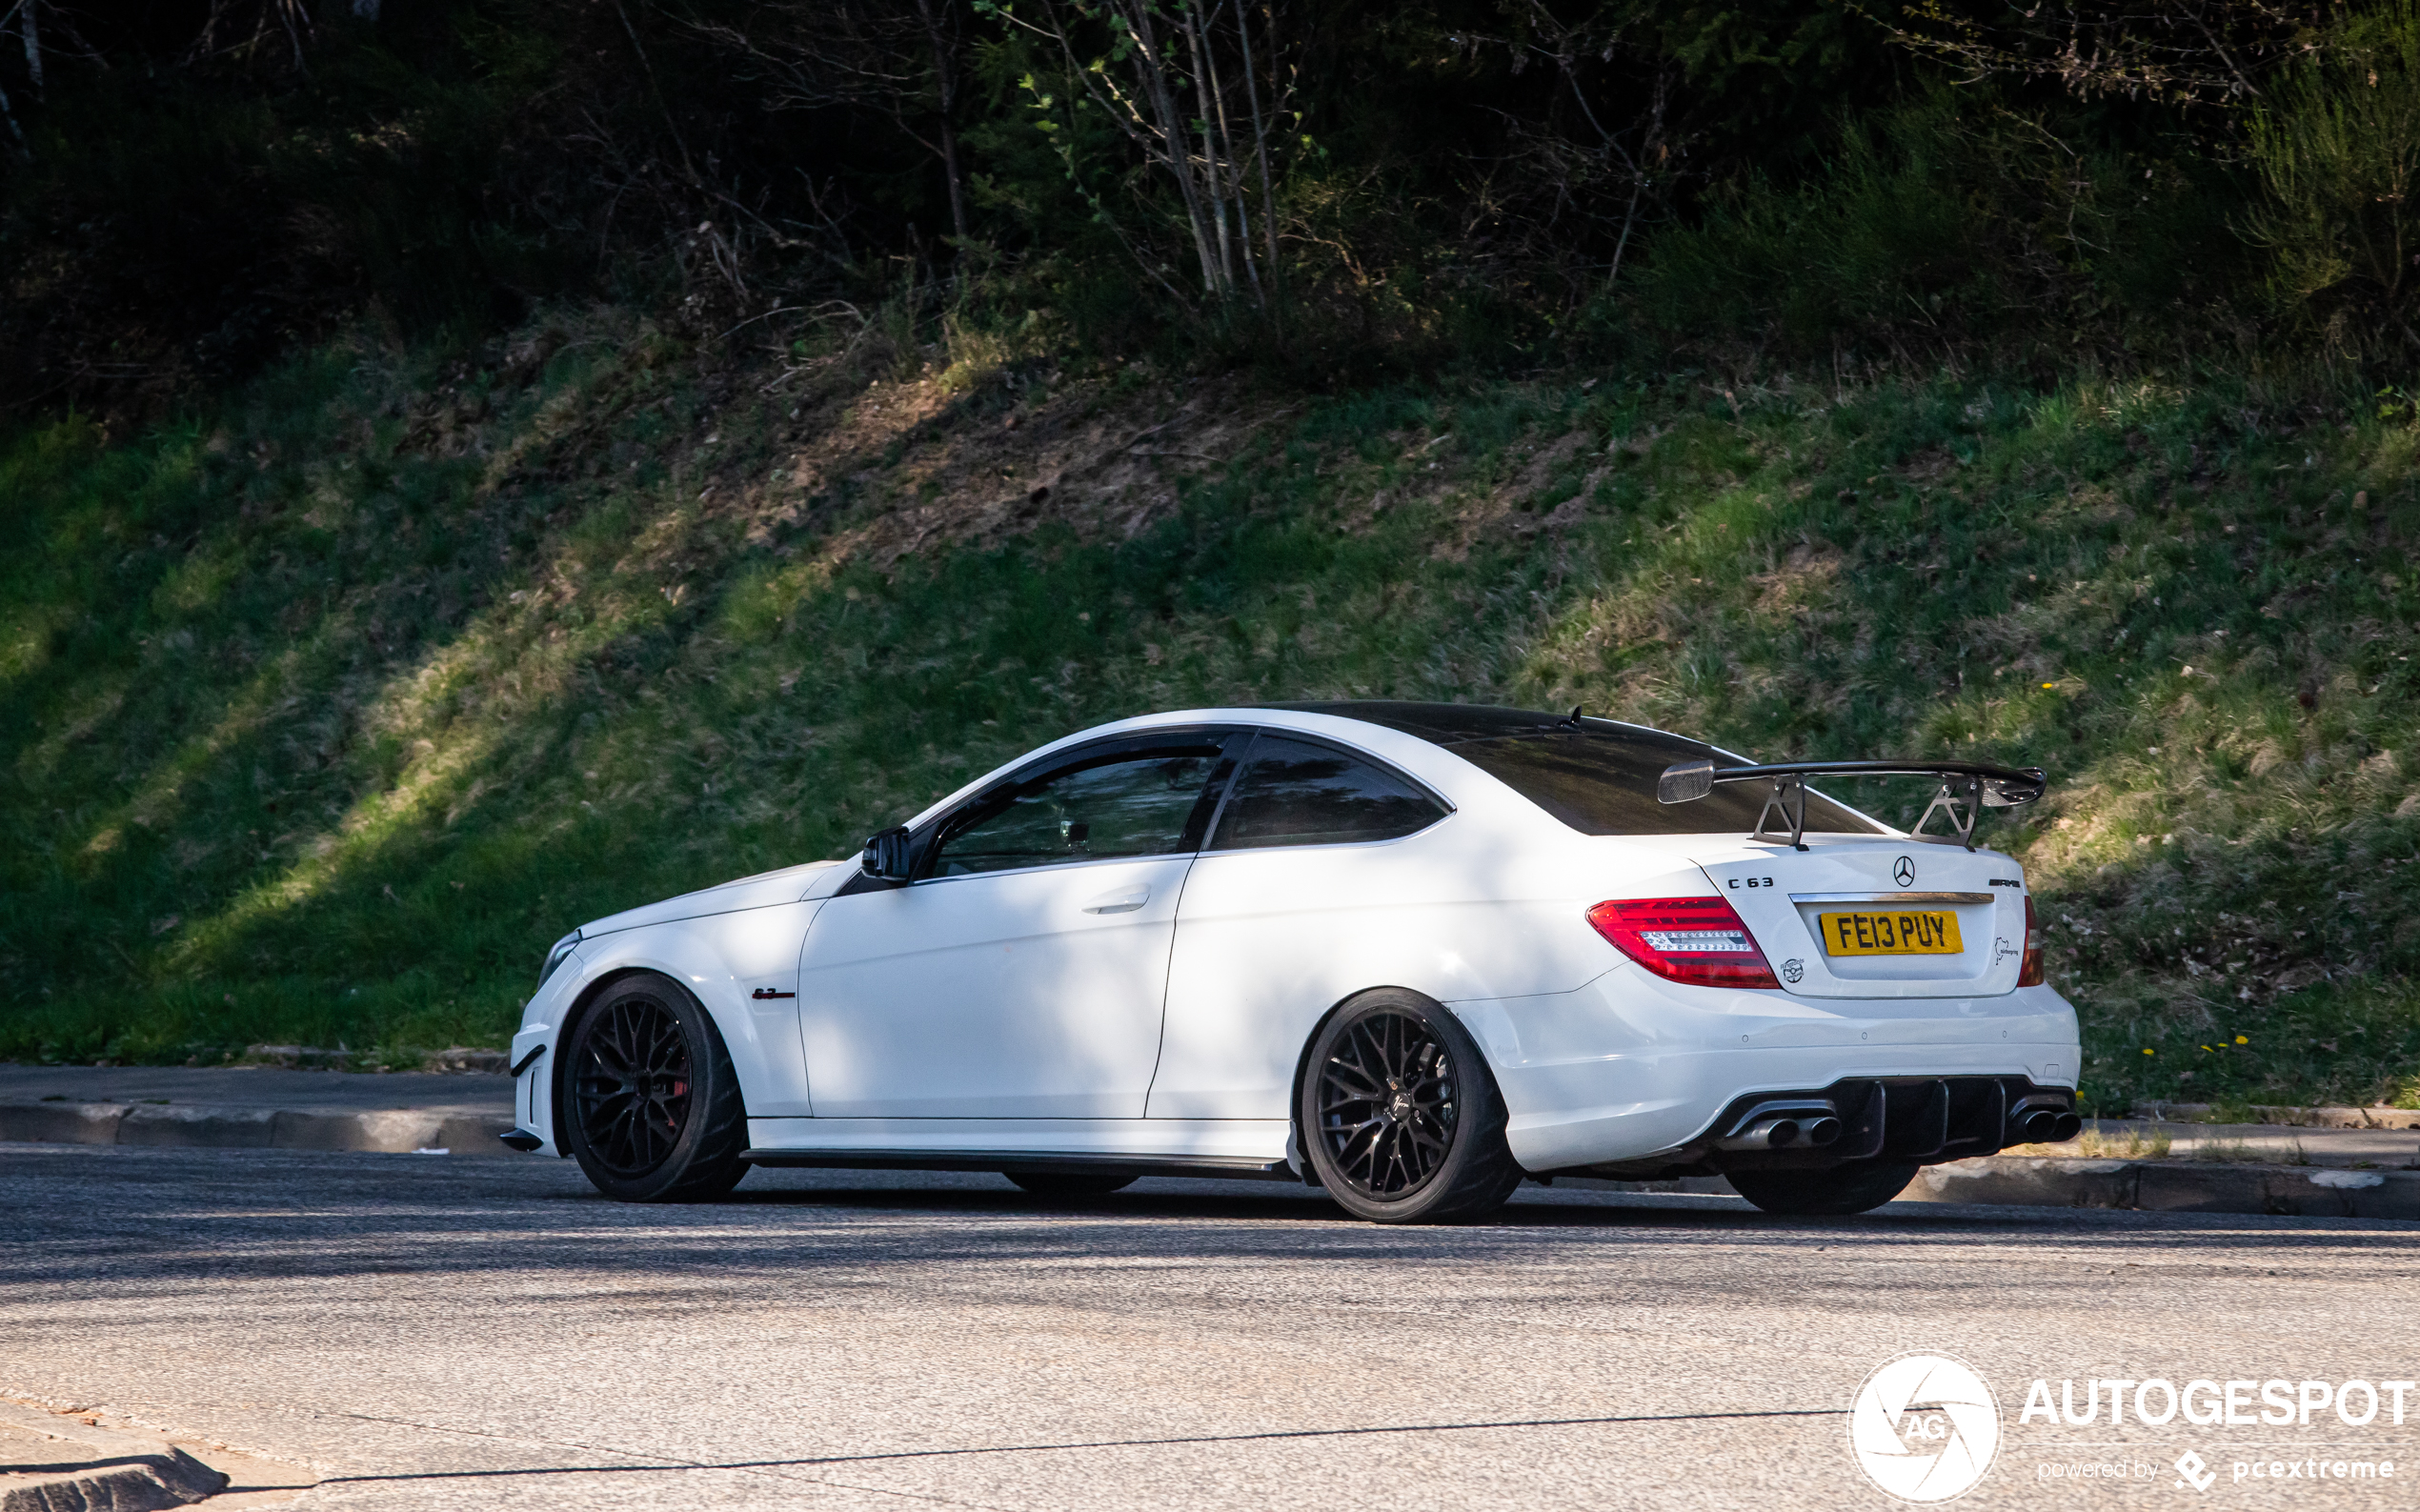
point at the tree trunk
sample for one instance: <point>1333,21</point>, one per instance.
<point>1260,134</point>
<point>945,91</point>
<point>1152,72</point>
<point>32,31</point>
<point>9,112</point>
<point>1210,155</point>
<point>1230,172</point>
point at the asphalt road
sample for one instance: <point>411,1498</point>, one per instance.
<point>430,1332</point>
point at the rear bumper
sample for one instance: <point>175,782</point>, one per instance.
<point>1631,1067</point>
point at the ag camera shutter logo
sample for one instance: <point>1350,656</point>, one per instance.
<point>1925,1427</point>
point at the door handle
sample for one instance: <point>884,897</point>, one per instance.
<point>1125,901</point>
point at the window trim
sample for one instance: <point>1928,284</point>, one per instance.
<point>1243,761</point>
<point>925,844</point>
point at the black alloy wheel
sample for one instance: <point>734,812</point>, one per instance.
<point>1386,1106</point>
<point>1398,1114</point>
<point>630,1084</point>
<point>652,1108</point>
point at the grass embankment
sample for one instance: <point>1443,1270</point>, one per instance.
<point>326,713</point>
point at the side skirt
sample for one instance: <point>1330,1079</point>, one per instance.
<point>1210,1166</point>
<point>1227,1148</point>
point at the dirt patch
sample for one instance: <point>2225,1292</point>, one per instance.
<point>1507,511</point>
<point>1801,581</point>
<point>1930,468</point>
<point>908,465</point>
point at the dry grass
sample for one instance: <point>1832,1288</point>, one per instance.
<point>2097,1143</point>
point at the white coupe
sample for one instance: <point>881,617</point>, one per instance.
<point>1409,953</point>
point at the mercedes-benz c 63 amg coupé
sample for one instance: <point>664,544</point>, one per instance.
<point>1409,953</point>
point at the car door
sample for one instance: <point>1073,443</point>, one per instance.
<point>1022,974</point>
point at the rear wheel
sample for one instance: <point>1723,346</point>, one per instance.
<point>1066,1184</point>
<point>653,1105</point>
<point>1859,1187</point>
<point>1399,1116</point>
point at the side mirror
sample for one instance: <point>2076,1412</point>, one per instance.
<point>886,856</point>
<point>1685,782</point>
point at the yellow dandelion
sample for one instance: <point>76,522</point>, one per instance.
<point>2243,1040</point>
<point>2148,1051</point>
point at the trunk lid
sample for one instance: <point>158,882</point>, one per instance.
<point>1782,895</point>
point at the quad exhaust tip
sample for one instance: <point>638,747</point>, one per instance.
<point>1811,1131</point>
<point>2049,1126</point>
<point>1803,1123</point>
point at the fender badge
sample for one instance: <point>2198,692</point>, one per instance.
<point>1792,969</point>
<point>763,993</point>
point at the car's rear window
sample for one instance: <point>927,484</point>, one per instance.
<point>1295,793</point>
<point>1603,783</point>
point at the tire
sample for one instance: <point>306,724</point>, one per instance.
<point>1070,1185</point>
<point>1400,1116</point>
<point>651,1105</point>
<point>1858,1187</point>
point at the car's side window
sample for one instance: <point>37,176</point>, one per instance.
<point>1295,793</point>
<point>1131,805</point>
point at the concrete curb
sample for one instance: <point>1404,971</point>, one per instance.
<point>2143,1186</point>
<point>231,1127</point>
<point>168,1479</point>
<point>311,1058</point>
<point>123,1472</point>
<point>2374,1117</point>
<point>2172,1186</point>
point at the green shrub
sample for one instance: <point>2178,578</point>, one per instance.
<point>2337,147</point>
<point>1955,226</point>
<point>1881,239</point>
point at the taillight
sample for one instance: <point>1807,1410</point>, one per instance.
<point>2029,970</point>
<point>1697,941</point>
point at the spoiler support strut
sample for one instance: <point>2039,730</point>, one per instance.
<point>1788,799</point>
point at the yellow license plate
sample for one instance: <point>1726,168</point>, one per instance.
<point>1929,932</point>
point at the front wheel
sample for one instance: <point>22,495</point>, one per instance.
<point>1859,1187</point>
<point>1400,1116</point>
<point>653,1105</point>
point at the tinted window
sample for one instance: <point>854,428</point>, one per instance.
<point>1294,793</point>
<point>1605,784</point>
<point>1135,805</point>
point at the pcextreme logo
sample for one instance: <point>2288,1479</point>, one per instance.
<point>1925,1427</point>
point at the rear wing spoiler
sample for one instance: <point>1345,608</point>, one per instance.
<point>1967,788</point>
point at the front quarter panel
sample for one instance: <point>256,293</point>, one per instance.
<point>724,960</point>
